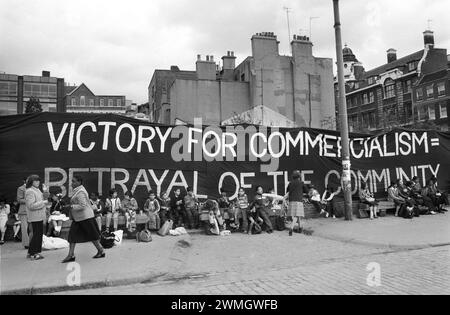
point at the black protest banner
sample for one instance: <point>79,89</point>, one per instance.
<point>130,155</point>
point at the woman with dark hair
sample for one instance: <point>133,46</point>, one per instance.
<point>366,197</point>
<point>295,194</point>
<point>129,207</point>
<point>84,227</point>
<point>113,207</point>
<point>36,203</point>
<point>394,196</point>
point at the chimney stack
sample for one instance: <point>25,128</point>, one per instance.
<point>46,74</point>
<point>428,38</point>
<point>229,61</point>
<point>391,55</point>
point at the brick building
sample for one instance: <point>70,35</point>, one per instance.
<point>382,98</point>
<point>16,90</point>
<point>80,99</point>
<point>298,87</point>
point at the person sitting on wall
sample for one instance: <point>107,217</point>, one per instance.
<point>421,200</point>
<point>5,210</point>
<point>394,196</point>
<point>435,195</point>
<point>366,197</point>
<point>99,207</point>
<point>164,212</point>
<point>57,217</point>
<point>225,206</point>
<point>113,207</point>
<point>129,207</point>
<point>329,198</point>
<point>441,195</point>
<point>151,209</point>
<point>261,203</point>
<point>241,205</point>
<point>316,200</point>
<point>215,221</point>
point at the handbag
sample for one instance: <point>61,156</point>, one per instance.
<point>107,239</point>
<point>164,230</point>
<point>144,236</point>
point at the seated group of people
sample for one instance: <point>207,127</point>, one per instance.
<point>411,200</point>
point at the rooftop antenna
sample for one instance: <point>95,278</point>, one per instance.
<point>311,18</point>
<point>288,10</point>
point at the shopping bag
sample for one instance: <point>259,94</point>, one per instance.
<point>165,228</point>
<point>119,237</point>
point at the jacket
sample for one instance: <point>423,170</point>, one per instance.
<point>81,205</point>
<point>35,204</point>
<point>21,199</point>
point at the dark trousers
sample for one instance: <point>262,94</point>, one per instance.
<point>36,238</point>
<point>191,217</point>
<point>163,216</point>
<point>244,220</point>
<point>331,207</point>
<point>317,205</point>
<point>176,216</point>
<point>262,213</point>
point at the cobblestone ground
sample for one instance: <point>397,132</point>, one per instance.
<point>317,267</point>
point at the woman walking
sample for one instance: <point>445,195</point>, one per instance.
<point>295,191</point>
<point>36,204</point>
<point>84,228</point>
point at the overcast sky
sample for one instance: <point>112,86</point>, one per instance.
<point>115,45</point>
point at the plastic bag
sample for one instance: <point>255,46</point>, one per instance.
<point>119,237</point>
<point>53,243</point>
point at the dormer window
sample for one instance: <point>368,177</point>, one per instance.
<point>412,65</point>
<point>372,80</point>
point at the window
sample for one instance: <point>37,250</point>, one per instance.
<point>365,98</point>
<point>408,112</point>
<point>349,102</point>
<point>419,94</point>
<point>407,85</point>
<point>412,65</point>
<point>389,89</point>
<point>431,112</point>
<point>372,80</point>
<point>422,113</point>
<point>430,91</point>
<point>119,102</point>
<point>441,89</point>
<point>91,102</point>
<point>443,110</point>
<point>110,102</point>
<point>8,88</point>
<point>356,85</point>
<point>371,97</point>
<point>102,102</point>
<point>243,77</point>
<point>355,101</point>
<point>82,101</point>
<point>73,101</point>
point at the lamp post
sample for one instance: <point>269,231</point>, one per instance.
<point>346,164</point>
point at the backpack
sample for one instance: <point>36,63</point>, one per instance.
<point>107,239</point>
<point>144,236</point>
<point>280,224</point>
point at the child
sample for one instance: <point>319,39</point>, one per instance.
<point>4,213</point>
<point>130,206</point>
<point>164,212</point>
<point>151,209</point>
<point>190,209</point>
<point>261,203</point>
<point>215,221</point>
<point>255,221</point>
<point>113,207</point>
<point>329,200</point>
<point>224,206</point>
<point>176,208</point>
<point>56,217</point>
<point>316,201</point>
<point>242,210</point>
<point>367,197</point>
<point>99,207</point>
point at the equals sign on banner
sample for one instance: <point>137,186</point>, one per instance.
<point>435,142</point>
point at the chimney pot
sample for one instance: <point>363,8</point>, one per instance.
<point>391,55</point>
<point>199,57</point>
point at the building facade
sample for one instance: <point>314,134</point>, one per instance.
<point>16,90</point>
<point>384,98</point>
<point>298,87</point>
<point>80,99</point>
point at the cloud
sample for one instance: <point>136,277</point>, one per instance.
<point>114,46</point>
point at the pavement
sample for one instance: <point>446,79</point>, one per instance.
<point>197,262</point>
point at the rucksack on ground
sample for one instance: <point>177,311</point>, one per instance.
<point>107,239</point>
<point>144,236</point>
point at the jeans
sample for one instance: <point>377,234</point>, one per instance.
<point>36,238</point>
<point>244,219</point>
<point>191,217</point>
